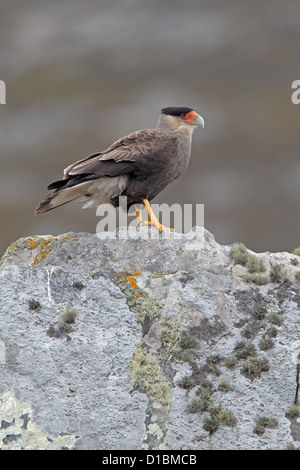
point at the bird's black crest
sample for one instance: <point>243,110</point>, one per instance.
<point>176,111</point>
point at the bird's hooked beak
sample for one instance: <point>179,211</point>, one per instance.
<point>199,121</point>
<point>194,119</point>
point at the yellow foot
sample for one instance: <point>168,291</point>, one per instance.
<point>153,220</point>
<point>158,225</point>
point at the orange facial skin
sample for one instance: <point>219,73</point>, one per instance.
<point>190,118</point>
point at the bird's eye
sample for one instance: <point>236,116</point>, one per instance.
<point>182,115</point>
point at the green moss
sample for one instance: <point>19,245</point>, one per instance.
<point>146,373</point>
<point>297,276</point>
<point>263,423</point>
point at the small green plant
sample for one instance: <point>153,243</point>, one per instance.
<point>296,251</point>
<point>188,344</point>
<point>230,362</point>
<point>266,343</point>
<point>67,318</point>
<point>257,279</point>
<point>198,405</point>
<point>188,341</point>
<point>263,423</point>
<point>212,362</point>
<point>187,382</point>
<point>242,350</point>
<point>240,255</point>
<point>272,332</point>
<point>78,285</point>
<point>276,273</point>
<point>211,425</point>
<point>260,311</point>
<point>205,389</point>
<point>293,411</point>
<point>247,332</point>
<point>255,264</point>
<point>227,418</point>
<point>254,366</point>
<point>275,319</point>
<point>219,416</point>
<point>290,446</point>
<point>202,401</point>
<point>224,386</point>
<point>188,355</point>
<point>34,305</point>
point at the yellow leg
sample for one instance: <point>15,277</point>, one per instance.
<point>140,221</point>
<point>153,220</point>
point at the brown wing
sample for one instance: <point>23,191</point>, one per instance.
<point>133,153</point>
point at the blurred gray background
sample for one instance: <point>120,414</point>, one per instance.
<point>81,74</point>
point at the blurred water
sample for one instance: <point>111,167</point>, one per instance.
<point>79,75</point>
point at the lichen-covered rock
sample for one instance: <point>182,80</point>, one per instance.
<point>140,341</point>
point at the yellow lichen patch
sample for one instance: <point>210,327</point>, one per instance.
<point>32,244</point>
<point>137,273</point>
<point>133,282</point>
<point>46,247</point>
<point>12,246</point>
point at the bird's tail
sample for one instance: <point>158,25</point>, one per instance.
<point>58,198</point>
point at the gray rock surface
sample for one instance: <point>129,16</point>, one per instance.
<point>147,342</point>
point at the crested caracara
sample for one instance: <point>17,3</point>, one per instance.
<point>137,166</point>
